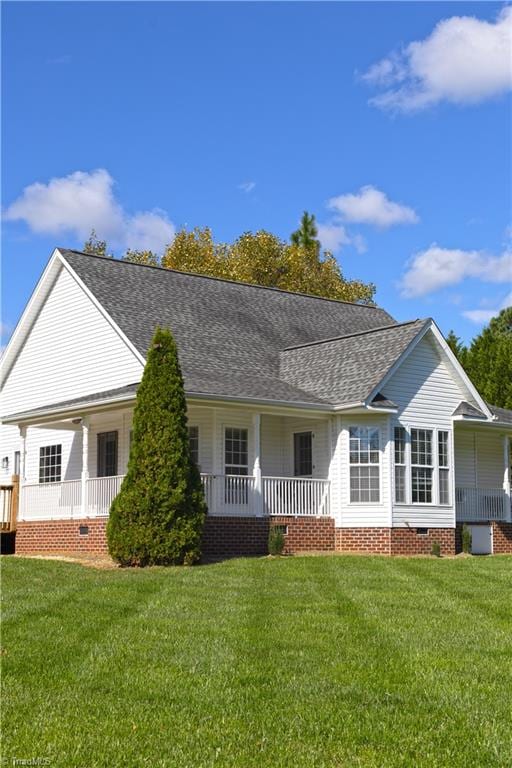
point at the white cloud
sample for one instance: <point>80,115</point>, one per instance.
<point>481,316</point>
<point>333,236</point>
<point>438,267</point>
<point>247,186</point>
<point>371,206</point>
<point>464,60</point>
<point>77,203</point>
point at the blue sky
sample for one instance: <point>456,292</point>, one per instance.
<point>141,118</point>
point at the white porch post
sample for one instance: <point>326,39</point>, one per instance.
<point>214,496</point>
<point>258,485</point>
<point>506,476</point>
<point>23,470</point>
<point>23,454</point>
<point>85,465</point>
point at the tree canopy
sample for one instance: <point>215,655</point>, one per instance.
<point>259,257</point>
<point>488,359</point>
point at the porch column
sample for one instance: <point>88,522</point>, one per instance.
<point>506,476</point>
<point>23,470</point>
<point>258,485</point>
<point>23,454</point>
<point>85,465</point>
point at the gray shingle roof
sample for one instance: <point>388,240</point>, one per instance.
<point>502,414</point>
<point>466,409</point>
<point>108,395</point>
<point>229,334</point>
<point>347,369</point>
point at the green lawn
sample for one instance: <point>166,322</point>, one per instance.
<point>301,662</point>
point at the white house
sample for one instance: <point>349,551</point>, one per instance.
<point>353,431</point>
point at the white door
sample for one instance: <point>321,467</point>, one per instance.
<point>481,539</point>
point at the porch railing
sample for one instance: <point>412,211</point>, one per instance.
<point>296,496</point>
<point>101,491</point>
<point>235,495</point>
<point>51,501</point>
<point>474,504</point>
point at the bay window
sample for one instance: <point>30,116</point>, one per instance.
<point>364,465</point>
<point>422,466</point>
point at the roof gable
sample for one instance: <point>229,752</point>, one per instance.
<point>346,370</point>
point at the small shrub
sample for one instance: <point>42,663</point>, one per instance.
<point>436,549</point>
<point>466,539</point>
<point>275,541</point>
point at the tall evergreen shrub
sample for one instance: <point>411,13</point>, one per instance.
<point>157,518</point>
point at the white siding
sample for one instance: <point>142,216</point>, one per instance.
<point>425,389</point>
<point>272,446</point>
<point>362,515</point>
<point>427,392</point>
<point>70,440</point>
<point>71,350</point>
<point>320,445</point>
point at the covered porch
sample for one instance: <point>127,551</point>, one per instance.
<point>483,456</point>
<point>252,464</point>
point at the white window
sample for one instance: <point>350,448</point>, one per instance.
<point>421,466</point>
<point>50,464</point>
<point>444,467</point>
<point>193,442</point>
<point>400,465</point>
<point>364,465</point>
<point>236,457</point>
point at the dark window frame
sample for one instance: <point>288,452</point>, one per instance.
<point>107,465</point>
<point>303,454</point>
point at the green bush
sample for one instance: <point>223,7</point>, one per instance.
<point>275,541</point>
<point>157,518</point>
<point>466,539</point>
<point>436,549</point>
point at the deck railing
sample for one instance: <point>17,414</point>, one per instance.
<point>9,495</point>
<point>478,504</point>
<point>235,495</point>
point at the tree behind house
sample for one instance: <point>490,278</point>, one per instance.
<point>488,359</point>
<point>260,258</point>
<point>158,516</point>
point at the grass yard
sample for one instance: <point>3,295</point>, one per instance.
<point>300,662</point>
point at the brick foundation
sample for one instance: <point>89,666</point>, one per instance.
<point>369,541</point>
<point>394,541</point>
<point>502,538</point>
<point>62,537</point>
<point>230,536</point>
<point>405,541</point>
<point>307,534</point>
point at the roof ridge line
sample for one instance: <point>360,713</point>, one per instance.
<point>355,333</point>
<point>219,279</point>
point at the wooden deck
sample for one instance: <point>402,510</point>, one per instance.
<point>9,503</point>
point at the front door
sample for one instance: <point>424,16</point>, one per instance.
<point>107,454</point>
